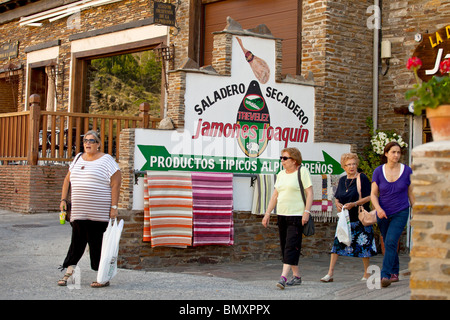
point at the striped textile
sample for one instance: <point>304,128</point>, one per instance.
<point>262,192</point>
<point>90,182</point>
<point>168,219</point>
<point>321,210</point>
<point>146,237</point>
<point>212,208</point>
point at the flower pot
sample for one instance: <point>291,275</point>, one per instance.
<point>440,122</point>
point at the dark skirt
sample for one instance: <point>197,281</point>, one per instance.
<point>363,242</point>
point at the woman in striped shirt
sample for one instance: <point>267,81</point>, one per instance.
<point>94,179</point>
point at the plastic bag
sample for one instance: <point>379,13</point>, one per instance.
<point>74,281</point>
<point>343,230</point>
<point>110,250</point>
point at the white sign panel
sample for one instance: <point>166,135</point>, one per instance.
<point>240,123</point>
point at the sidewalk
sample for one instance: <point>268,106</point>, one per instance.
<point>33,246</point>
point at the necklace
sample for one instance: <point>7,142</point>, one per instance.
<point>348,186</point>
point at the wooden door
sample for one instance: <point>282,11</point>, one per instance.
<point>282,17</point>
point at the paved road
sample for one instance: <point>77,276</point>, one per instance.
<point>33,246</point>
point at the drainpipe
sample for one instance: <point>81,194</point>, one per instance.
<point>376,41</point>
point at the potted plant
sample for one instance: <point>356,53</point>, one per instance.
<point>432,96</point>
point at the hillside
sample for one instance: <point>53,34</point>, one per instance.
<point>119,84</point>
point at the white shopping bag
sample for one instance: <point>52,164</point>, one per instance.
<point>110,250</point>
<point>343,230</point>
<point>74,281</point>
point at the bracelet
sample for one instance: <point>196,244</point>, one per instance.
<point>64,200</point>
<point>308,211</point>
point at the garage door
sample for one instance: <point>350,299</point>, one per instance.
<point>280,16</point>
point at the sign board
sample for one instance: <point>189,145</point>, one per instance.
<point>177,154</point>
<point>164,13</point>
<point>434,48</point>
<point>240,123</point>
<point>9,50</point>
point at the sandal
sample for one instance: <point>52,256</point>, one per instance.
<point>95,284</point>
<point>63,282</point>
<point>327,278</point>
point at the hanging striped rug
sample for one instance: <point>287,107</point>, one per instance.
<point>322,210</point>
<point>262,193</point>
<point>168,217</point>
<point>212,208</point>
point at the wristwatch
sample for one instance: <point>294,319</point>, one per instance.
<point>113,207</point>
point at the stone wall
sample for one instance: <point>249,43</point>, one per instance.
<point>337,49</point>
<point>31,189</point>
<point>252,242</point>
<point>430,254</point>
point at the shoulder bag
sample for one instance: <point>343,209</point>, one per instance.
<point>366,218</point>
<point>69,203</point>
<point>308,228</point>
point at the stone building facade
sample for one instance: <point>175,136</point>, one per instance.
<point>335,49</point>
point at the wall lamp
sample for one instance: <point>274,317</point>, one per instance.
<point>165,54</point>
<point>385,55</point>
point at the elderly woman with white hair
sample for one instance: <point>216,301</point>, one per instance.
<point>347,196</point>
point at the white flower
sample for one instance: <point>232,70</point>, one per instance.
<point>381,139</point>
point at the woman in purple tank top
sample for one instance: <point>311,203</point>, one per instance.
<point>392,197</point>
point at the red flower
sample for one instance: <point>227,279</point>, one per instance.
<point>414,63</point>
<point>445,66</point>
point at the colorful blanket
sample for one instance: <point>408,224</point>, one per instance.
<point>168,209</point>
<point>322,207</point>
<point>212,208</point>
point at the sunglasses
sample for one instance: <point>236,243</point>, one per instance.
<point>285,158</point>
<point>90,141</point>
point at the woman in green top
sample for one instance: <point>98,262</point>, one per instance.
<point>292,213</point>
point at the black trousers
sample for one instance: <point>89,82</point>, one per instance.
<point>291,234</point>
<point>86,232</point>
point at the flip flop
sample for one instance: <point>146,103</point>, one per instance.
<point>95,284</point>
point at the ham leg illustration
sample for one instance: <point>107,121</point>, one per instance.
<point>258,65</point>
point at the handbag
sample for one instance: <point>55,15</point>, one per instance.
<point>309,228</point>
<point>366,218</point>
<point>69,203</point>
